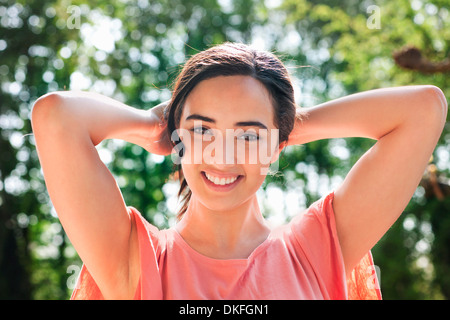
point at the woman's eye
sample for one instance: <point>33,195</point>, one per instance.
<point>200,130</point>
<point>249,137</point>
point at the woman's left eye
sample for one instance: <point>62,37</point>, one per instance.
<point>249,137</point>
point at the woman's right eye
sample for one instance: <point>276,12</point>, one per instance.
<point>200,130</point>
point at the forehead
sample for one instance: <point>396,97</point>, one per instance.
<point>230,99</point>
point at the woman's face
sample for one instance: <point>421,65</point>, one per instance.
<point>230,139</point>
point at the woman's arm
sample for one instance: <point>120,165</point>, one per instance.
<point>106,118</point>
<point>407,123</point>
<point>67,126</point>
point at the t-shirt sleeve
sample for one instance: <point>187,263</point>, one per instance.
<point>149,285</point>
<point>315,232</point>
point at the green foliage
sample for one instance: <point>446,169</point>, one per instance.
<point>133,50</point>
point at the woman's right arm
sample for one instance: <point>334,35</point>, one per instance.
<point>67,126</point>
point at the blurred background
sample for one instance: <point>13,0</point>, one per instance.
<point>133,50</point>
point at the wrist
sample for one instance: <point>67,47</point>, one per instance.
<point>302,131</point>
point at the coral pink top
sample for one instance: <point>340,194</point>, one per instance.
<point>299,260</point>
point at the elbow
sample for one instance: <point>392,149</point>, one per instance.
<point>433,106</point>
<point>44,109</point>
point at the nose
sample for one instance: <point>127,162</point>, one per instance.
<point>222,150</point>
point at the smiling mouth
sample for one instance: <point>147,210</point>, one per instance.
<point>220,181</point>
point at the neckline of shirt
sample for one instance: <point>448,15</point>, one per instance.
<point>241,261</point>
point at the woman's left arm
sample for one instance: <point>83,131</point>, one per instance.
<point>407,123</point>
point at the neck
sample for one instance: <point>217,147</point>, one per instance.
<point>227,234</point>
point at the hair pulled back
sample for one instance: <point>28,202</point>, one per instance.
<point>232,59</point>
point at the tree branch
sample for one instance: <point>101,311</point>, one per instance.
<point>411,58</point>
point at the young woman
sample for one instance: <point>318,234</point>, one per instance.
<point>226,103</point>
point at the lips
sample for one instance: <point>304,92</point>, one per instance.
<point>221,182</point>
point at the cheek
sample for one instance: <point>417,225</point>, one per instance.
<point>193,178</point>
<point>255,175</point>
<point>190,173</point>
<point>258,159</point>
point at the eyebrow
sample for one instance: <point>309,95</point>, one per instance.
<point>238,124</point>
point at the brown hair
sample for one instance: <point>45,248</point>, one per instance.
<point>230,59</point>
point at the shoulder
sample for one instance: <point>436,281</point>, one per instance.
<point>312,242</point>
<point>320,215</point>
<point>314,233</point>
<point>146,233</point>
<point>311,232</point>
<point>138,219</point>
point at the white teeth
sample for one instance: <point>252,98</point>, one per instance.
<point>220,181</point>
